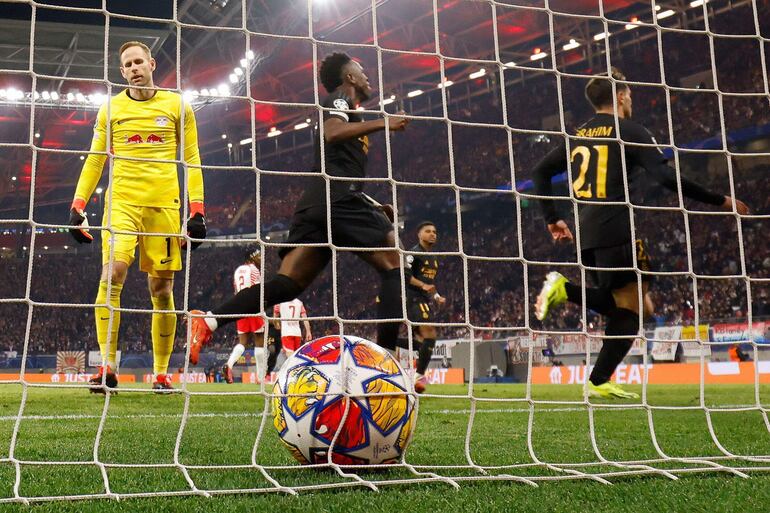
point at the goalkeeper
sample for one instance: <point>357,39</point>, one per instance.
<point>143,196</point>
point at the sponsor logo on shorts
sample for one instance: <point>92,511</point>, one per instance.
<point>165,261</point>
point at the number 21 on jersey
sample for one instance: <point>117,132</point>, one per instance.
<point>581,185</point>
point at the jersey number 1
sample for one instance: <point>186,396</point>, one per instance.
<point>584,152</point>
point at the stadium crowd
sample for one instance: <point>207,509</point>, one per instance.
<point>491,224</point>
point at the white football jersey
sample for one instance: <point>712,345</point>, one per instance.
<point>245,276</point>
<point>288,310</point>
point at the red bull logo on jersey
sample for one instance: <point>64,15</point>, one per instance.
<point>134,139</point>
<point>154,139</point>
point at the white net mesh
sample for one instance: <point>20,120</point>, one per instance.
<point>484,102</point>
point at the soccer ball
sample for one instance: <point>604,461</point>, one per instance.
<point>309,409</point>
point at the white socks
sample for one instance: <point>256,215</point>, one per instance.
<point>260,360</point>
<point>211,322</point>
<point>237,352</point>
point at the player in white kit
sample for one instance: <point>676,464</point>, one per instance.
<point>250,329</point>
<point>291,333</point>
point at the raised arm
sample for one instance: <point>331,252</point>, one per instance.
<point>655,163</point>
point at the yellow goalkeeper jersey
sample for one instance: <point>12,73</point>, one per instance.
<point>148,129</point>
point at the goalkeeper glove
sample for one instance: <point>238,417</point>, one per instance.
<point>196,224</point>
<point>79,220</point>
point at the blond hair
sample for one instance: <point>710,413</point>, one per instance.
<point>129,44</point>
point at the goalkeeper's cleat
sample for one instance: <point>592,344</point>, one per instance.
<point>162,384</point>
<point>105,377</point>
<point>200,334</point>
<point>609,390</point>
<point>552,294</point>
<point>420,384</point>
<point>227,372</point>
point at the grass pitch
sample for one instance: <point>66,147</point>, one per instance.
<point>61,425</point>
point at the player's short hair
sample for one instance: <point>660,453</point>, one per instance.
<point>129,44</point>
<point>331,70</point>
<point>424,224</point>
<point>252,253</point>
<point>599,88</point>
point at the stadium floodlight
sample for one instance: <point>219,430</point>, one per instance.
<point>445,83</point>
<point>46,95</point>
<point>70,97</point>
<point>600,36</point>
<point>223,89</point>
<point>205,92</point>
<point>246,141</point>
<point>571,45</point>
<point>99,190</point>
<point>3,93</point>
<point>510,64</point>
<point>633,24</point>
<point>698,3</point>
<point>233,78</point>
<point>416,92</point>
<point>37,135</point>
<point>79,97</point>
<point>244,63</point>
<point>224,136</point>
<point>54,95</point>
<point>477,74</point>
<point>249,54</point>
<point>538,54</point>
<point>238,71</point>
<point>388,101</point>
<point>300,126</point>
<point>188,96</point>
<point>274,132</point>
<point>665,14</point>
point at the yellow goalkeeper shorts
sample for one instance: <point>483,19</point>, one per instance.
<point>159,255</point>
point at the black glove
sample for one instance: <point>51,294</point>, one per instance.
<point>80,234</point>
<point>196,228</point>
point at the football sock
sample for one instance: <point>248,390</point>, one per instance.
<point>620,322</point>
<point>259,361</point>
<point>272,357</point>
<point>389,307</point>
<point>599,300</point>
<point>424,354</point>
<point>236,354</point>
<point>277,290</point>
<point>102,315</point>
<point>163,332</point>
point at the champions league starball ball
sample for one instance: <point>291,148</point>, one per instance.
<point>322,400</point>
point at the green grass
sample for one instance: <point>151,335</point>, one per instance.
<point>142,428</point>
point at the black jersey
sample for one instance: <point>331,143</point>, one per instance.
<point>423,267</point>
<point>598,178</point>
<point>346,158</point>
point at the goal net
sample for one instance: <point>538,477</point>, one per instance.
<point>488,87</point>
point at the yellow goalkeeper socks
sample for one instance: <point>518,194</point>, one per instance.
<point>163,331</point>
<point>108,338</point>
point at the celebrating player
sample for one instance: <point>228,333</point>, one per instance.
<point>291,333</point>
<point>251,330</point>
<point>420,272</point>
<point>140,122</point>
<point>605,229</point>
<point>355,220</point>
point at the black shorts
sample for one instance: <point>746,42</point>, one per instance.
<point>617,256</point>
<point>418,309</point>
<point>356,223</point>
